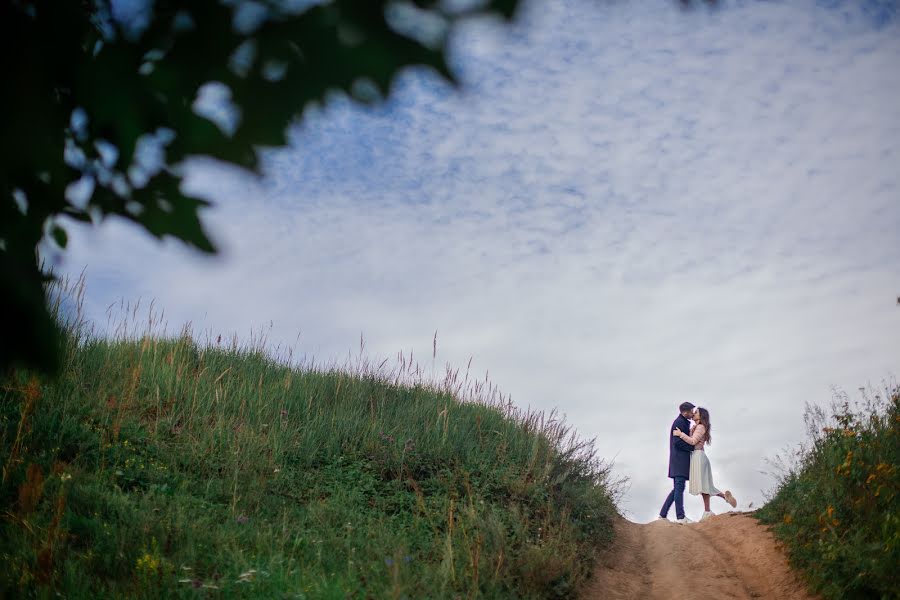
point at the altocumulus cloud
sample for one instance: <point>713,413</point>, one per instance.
<point>624,207</point>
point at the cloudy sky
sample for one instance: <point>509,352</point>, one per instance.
<point>626,206</point>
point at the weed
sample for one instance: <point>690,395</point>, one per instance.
<point>837,503</point>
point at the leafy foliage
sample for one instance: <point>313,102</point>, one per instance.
<point>102,113</point>
<point>837,509</point>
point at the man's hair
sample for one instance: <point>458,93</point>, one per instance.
<point>685,406</point>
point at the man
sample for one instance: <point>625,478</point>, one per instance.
<point>679,464</point>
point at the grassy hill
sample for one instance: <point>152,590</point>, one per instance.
<point>837,504</point>
<point>157,467</point>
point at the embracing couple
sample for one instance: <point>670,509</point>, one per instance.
<point>688,462</point>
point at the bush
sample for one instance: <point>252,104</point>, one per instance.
<point>837,507</point>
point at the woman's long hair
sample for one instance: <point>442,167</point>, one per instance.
<point>704,420</point>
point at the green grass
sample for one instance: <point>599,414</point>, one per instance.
<point>158,467</point>
<point>837,506</point>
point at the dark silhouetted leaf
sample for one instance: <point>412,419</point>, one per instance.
<point>60,236</point>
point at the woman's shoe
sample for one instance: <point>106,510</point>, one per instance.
<point>730,499</point>
<point>707,515</point>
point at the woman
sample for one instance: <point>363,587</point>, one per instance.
<point>701,480</point>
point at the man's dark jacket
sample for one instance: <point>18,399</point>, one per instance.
<point>679,450</point>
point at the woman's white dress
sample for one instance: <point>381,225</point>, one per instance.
<point>701,479</point>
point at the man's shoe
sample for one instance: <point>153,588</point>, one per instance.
<point>707,515</point>
<point>662,518</point>
<point>683,521</point>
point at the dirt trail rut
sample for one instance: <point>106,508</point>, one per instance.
<point>727,556</point>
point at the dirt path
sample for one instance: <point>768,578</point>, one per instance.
<point>727,556</point>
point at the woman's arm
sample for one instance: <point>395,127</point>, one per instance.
<point>696,435</point>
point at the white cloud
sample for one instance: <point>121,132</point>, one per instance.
<point>626,206</point>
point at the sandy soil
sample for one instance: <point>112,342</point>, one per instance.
<point>727,556</point>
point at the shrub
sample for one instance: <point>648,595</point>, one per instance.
<point>836,506</point>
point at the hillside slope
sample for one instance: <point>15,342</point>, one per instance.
<point>159,468</point>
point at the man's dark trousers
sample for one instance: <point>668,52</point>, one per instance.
<point>676,496</point>
<point>679,468</point>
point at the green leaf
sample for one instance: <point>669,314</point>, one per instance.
<point>167,211</point>
<point>60,236</point>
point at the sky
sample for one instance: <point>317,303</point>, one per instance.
<point>624,206</point>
